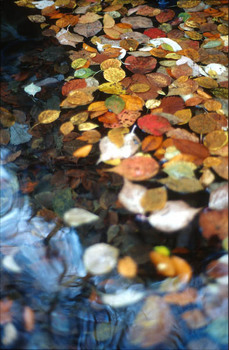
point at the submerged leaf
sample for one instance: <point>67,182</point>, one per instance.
<point>77,216</point>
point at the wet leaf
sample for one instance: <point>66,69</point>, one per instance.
<point>222,168</point>
<point>62,201</point>
<point>137,168</point>
<point>7,119</point>
<point>100,258</point>
<point>151,143</point>
<point>19,134</point>
<point>216,139</point>
<point>154,199</point>
<point>214,223</point>
<point>115,103</point>
<point>109,150</point>
<point>90,136</point>
<point>79,118</point>
<point>130,196</point>
<point>183,298</point>
<point>75,217</point>
<point>82,152</point>
<point>154,124</point>
<point>141,65</point>
<point>112,88</point>
<point>127,267</point>
<point>87,126</point>
<point>180,169</point>
<point>152,324</point>
<point>114,75</point>
<point>206,82</point>
<point>202,124</point>
<point>219,198</point>
<point>173,217</point>
<point>48,116</point>
<point>117,136</point>
<point>66,128</point>
<point>183,185</point>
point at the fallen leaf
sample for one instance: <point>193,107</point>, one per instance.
<point>75,217</point>
<point>100,258</point>
<point>137,168</point>
<point>173,217</point>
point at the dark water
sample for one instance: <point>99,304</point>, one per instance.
<point>48,275</point>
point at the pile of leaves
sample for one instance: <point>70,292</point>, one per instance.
<point>132,126</point>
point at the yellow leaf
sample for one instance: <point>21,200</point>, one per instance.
<point>114,75</point>
<point>82,152</point>
<point>48,116</point>
<point>66,128</point>
<point>87,126</point>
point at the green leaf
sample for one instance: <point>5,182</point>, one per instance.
<point>115,104</point>
<point>83,73</point>
<point>181,169</point>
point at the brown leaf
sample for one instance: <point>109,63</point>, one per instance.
<point>214,223</point>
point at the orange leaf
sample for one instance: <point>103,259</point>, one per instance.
<point>151,142</point>
<point>82,152</point>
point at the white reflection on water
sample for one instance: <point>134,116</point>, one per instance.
<point>22,236</point>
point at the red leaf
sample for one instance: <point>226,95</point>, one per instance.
<point>154,33</point>
<point>73,85</point>
<point>154,124</point>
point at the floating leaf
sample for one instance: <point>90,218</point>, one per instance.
<point>109,150</point>
<point>202,124</point>
<point>154,33</point>
<point>137,168</point>
<point>180,169</point>
<point>130,197</point>
<point>183,185</point>
<point>216,139</point>
<point>222,168</point>
<point>82,152</point>
<point>214,223</point>
<point>127,267</point>
<point>117,136</point>
<point>219,198</point>
<point>206,82</point>
<point>110,63</point>
<point>90,136</point>
<point>89,17</point>
<point>87,126</point>
<point>88,29</point>
<point>154,199</point>
<point>141,65</point>
<point>151,142</point>
<point>73,85</point>
<point>76,217</point>
<point>173,217</point>
<point>112,88</point>
<point>154,124</point>
<point>32,89</point>
<point>83,73</point>
<point>100,258</point>
<point>115,103</point>
<point>132,103</point>
<point>165,16</point>
<point>66,128</point>
<point>79,118</point>
<point>114,75</point>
